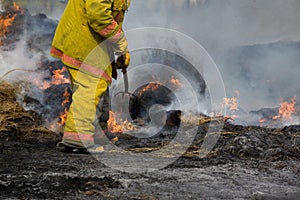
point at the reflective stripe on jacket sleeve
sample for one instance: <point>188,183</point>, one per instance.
<point>100,17</point>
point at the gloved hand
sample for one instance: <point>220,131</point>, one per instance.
<point>123,61</point>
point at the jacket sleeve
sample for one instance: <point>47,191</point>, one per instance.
<point>100,19</point>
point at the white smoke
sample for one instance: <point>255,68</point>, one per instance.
<point>222,24</point>
<point>224,28</point>
<point>17,59</point>
<point>52,8</point>
<point>268,29</point>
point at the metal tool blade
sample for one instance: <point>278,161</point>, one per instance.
<point>125,76</point>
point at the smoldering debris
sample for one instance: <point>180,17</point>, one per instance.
<point>17,123</point>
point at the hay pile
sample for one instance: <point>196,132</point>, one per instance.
<point>17,123</point>
<point>12,115</point>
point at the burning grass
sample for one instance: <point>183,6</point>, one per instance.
<point>235,141</point>
<point>7,19</point>
<point>14,119</point>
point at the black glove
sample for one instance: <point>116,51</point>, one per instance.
<point>123,61</point>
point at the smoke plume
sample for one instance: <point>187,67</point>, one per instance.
<point>255,44</point>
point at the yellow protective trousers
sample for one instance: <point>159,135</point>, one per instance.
<point>80,123</point>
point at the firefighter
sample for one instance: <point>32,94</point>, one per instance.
<point>88,37</point>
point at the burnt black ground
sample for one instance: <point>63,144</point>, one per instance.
<point>33,169</point>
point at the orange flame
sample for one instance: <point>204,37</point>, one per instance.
<point>123,126</point>
<point>286,110</point>
<point>17,8</point>
<point>57,78</point>
<point>67,97</point>
<point>231,103</point>
<point>175,82</point>
<point>113,126</point>
<point>63,117</point>
<point>7,21</point>
<point>151,86</point>
<point>262,120</point>
<point>46,85</point>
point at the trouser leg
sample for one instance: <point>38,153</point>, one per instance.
<point>101,125</point>
<point>104,108</point>
<point>87,90</point>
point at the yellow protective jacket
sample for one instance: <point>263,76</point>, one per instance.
<point>88,33</point>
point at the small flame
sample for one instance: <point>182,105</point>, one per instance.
<point>112,123</point>
<point>46,84</point>
<point>286,110</point>
<point>116,127</point>
<point>66,97</point>
<point>7,21</point>
<point>58,78</point>
<point>231,103</point>
<point>151,86</point>
<point>262,120</point>
<point>175,82</point>
<point>63,117</point>
<point>17,8</point>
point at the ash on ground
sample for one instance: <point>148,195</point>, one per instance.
<point>248,162</point>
